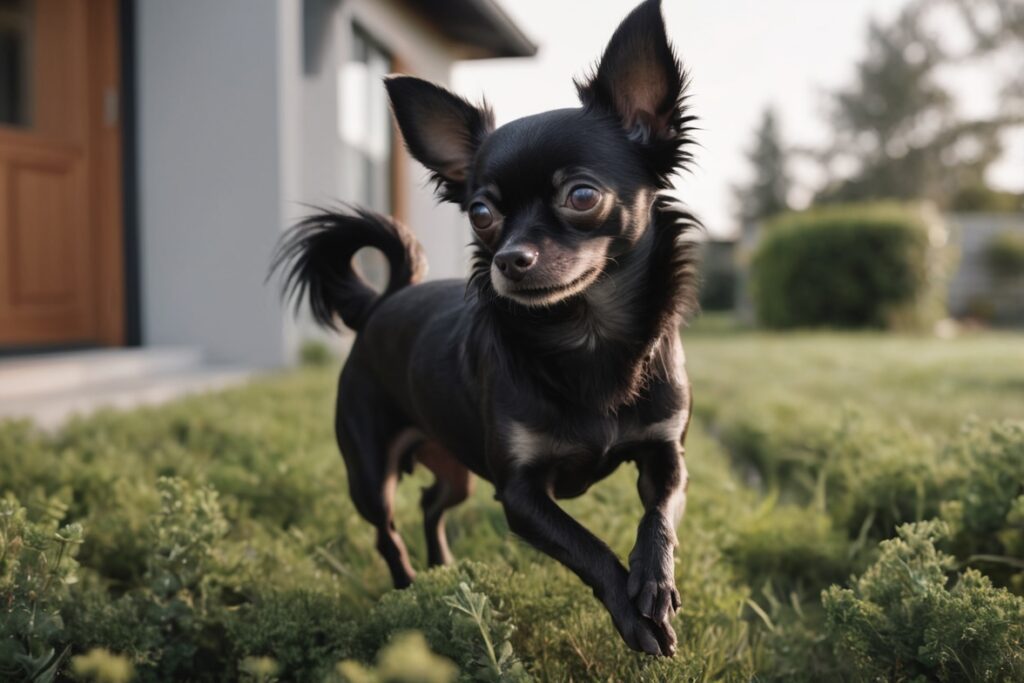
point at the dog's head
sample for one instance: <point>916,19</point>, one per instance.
<point>556,197</point>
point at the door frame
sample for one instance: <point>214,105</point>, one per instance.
<point>131,270</point>
<point>106,173</point>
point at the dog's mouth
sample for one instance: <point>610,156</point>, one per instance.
<point>550,294</point>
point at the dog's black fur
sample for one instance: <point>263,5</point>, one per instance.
<point>561,358</point>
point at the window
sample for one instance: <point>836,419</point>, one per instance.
<point>364,124</point>
<point>15,16</point>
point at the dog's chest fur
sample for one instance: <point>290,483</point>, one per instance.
<point>579,457</point>
<point>578,448</point>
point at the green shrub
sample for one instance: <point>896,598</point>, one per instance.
<point>904,620</point>
<point>982,198</point>
<point>986,508</point>
<point>790,548</point>
<point>1005,254</point>
<point>315,354</point>
<point>406,659</point>
<point>101,666</point>
<point>37,566</point>
<point>849,266</point>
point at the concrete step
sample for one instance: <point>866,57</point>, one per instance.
<point>51,409</point>
<point>24,377</point>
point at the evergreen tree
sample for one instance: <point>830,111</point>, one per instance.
<point>767,193</point>
<point>897,133</point>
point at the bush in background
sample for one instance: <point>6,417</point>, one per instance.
<point>983,199</point>
<point>315,354</point>
<point>851,266</point>
<point>1005,255</point>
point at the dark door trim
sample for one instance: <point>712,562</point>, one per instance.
<point>130,181</point>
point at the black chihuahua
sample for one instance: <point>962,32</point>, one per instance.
<point>561,358</point>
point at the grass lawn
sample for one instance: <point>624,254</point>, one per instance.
<point>217,540</point>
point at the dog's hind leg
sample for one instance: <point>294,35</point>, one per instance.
<point>373,449</point>
<point>453,484</point>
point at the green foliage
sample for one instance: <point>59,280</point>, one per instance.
<point>476,627</point>
<point>1005,255</point>
<point>789,548</point>
<point>315,354</point>
<point>849,266</point>
<point>985,507</point>
<point>37,566</point>
<point>902,620</point>
<point>865,429</point>
<point>259,669</point>
<point>983,199</point>
<point>221,544</point>
<point>407,659</point>
<point>101,666</point>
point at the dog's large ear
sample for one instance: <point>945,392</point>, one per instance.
<point>442,130</point>
<point>640,80</point>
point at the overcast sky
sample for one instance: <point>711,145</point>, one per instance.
<point>743,55</point>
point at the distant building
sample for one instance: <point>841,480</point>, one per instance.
<point>977,290</point>
<point>151,159</point>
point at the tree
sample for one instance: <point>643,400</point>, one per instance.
<point>992,23</point>
<point>995,25</point>
<point>767,193</point>
<point>897,132</point>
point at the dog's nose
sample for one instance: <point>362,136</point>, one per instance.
<point>513,262</point>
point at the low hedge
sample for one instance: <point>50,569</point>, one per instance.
<point>854,266</point>
<point>1005,255</point>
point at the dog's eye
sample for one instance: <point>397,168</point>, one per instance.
<point>480,216</point>
<point>583,198</point>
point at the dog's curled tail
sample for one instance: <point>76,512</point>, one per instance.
<point>316,258</point>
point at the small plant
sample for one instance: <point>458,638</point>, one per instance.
<point>186,531</point>
<point>36,567</point>
<point>406,659</point>
<point>905,619</point>
<point>259,669</point>
<point>476,627</point>
<point>100,666</point>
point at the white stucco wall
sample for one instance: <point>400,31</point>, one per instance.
<point>235,135</point>
<point>424,53</point>
<point>210,175</point>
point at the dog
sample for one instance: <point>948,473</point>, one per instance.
<point>560,358</point>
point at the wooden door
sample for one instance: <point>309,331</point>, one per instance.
<point>61,266</point>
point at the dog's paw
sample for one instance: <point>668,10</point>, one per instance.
<point>652,588</point>
<point>644,635</point>
<point>641,633</point>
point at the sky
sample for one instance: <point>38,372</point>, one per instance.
<point>743,55</point>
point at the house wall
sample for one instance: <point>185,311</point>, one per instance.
<point>974,289</point>
<point>326,163</point>
<point>210,175</point>
<point>237,134</point>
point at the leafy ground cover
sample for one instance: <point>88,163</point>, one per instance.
<point>856,512</point>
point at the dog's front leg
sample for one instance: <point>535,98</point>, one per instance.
<point>662,486</point>
<point>533,514</point>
